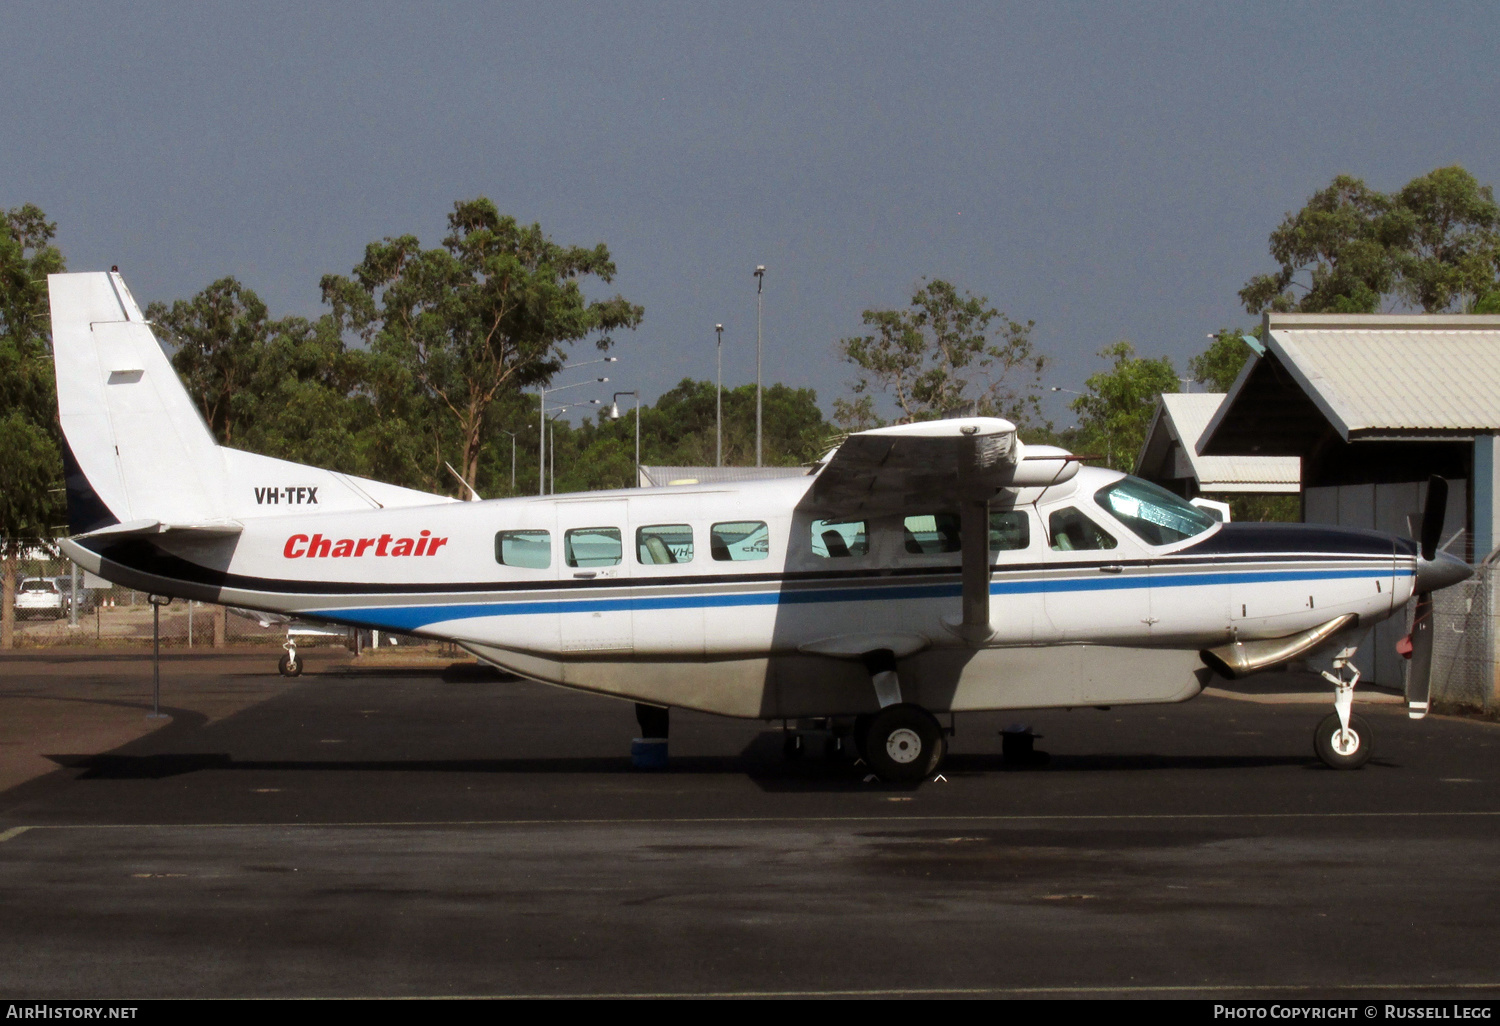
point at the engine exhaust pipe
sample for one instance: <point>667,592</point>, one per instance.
<point>1242,658</point>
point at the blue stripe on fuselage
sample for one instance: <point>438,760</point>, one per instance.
<point>416,617</point>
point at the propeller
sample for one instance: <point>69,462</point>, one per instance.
<point>1418,645</point>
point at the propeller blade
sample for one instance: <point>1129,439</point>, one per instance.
<point>1433,515</point>
<point>1419,673</point>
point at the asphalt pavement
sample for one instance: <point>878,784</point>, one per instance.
<point>385,832</point>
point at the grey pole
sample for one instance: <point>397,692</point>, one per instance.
<point>512,459</point>
<point>73,601</point>
<point>541,469</point>
<point>157,601</point>
<point>614,414</point>
<point>719,406</point>
<point>760,280</point>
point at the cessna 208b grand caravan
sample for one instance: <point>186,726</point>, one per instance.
<point>919,569</point>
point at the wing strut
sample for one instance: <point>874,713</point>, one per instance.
<point>974,538</point>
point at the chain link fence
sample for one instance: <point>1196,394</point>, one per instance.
<point>1465,633</point>
<point>120,616</point>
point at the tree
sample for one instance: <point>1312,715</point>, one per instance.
<point>493,309</point>
<point>1434,244</point>
<point>1114,416</point>
<point>1218,365</point>
<point>30,456</point>
<point>287,388</point>
<point>939,356</point>
<point>219,337</point>
<point>1340,243</point>
<point>1447,229</point>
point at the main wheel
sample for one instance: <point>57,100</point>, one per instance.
<point>289,667</point>
<point>904,743</point>
<point>1339,750</point>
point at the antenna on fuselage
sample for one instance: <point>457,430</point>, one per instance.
<point>474,496</point>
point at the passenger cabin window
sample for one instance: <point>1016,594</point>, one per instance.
<point>529,549</point>
<point>931,533</point>
<point>836,539</point>
<point>1073,532</point>
<point>1010,530</point>
<point>1152,512</point>
<point>592,546</point>
<point>739,540</point>
<point>664,543</point>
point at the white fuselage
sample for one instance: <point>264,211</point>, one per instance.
<point>753,621</point>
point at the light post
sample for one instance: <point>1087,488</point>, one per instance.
<point>614,414</point>
<point>512,459</point>
<point>719,401</point>
<point>760,280</point>
<point>552,443</point>
<point>1109,434</point>
<point>542,417</point>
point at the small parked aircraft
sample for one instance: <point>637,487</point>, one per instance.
<point>916,570</point>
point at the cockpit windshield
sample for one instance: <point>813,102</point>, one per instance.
<point>1152,512</point>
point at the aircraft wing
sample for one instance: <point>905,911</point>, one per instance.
<point>912,465</point>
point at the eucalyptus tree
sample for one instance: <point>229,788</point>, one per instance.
<point>494,308</point>
<point>947,350</point>
<point>31,466</point>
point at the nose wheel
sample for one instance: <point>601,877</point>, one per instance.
<point>1342,740</point>
<point>1343,747</point>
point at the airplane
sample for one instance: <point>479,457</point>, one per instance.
<point>916,570</point>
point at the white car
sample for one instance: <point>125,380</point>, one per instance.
<point>39,597</point>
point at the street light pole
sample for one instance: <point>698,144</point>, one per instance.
<point>719,411</point>
<point>614,414</point>
<point>1109,434</point>
<point>551,426</point>
<point>512,459</point>
<point>541,451</point>
<point>760,280</point>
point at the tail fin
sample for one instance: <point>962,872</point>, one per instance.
<point>136,446</point>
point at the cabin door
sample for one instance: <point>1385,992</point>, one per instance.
<point>594,572</point>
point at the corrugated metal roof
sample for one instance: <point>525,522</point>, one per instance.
<point>652,477</point>
<point>1383,375</point>
<point>1188,414</point>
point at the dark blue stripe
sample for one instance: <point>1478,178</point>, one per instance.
<point>415,617</point>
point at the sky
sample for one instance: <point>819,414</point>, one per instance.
<point>1107,170</point>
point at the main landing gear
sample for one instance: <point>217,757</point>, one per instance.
<point>903,743</point>
<point>1342,740</point>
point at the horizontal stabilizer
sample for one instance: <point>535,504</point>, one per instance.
<point>151,528</point>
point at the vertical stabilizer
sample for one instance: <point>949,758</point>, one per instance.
<point>137,447</point>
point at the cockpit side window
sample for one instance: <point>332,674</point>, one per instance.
<point>1150,511</point>
<point>1071,531</point>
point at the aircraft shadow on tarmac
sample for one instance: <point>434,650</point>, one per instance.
<point>761,761</point>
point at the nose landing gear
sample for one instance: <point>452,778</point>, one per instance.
<point>1342,740</point>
